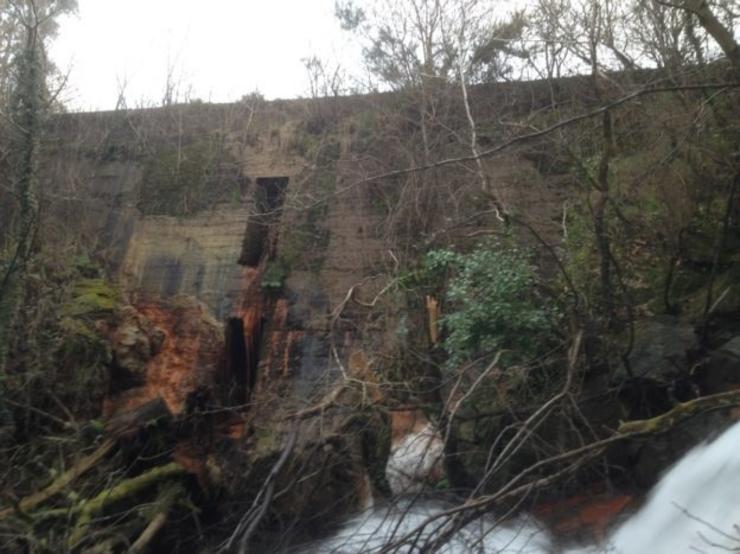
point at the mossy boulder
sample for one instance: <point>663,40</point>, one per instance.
<point>92,301</point>
<point>92,297</point>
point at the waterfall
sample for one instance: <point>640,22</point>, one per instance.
<point>694,508</point>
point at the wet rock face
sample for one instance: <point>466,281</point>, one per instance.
<point>416,455</point>
<point>663,347</point>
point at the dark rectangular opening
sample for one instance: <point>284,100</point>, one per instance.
<point>253,245</point>
<point>270,192</point>
<point>269,195</point>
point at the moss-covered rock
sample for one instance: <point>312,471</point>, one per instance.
<point>92,297</point>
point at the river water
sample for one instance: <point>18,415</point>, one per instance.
<point>694,508</point>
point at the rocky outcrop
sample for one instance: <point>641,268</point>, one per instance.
<point>173,349</point>
<point>663,349</point>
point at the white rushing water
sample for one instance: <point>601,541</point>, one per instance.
<point>694,508</point>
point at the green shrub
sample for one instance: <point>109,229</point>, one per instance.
<point>492,304</point>
<point>274,276</point>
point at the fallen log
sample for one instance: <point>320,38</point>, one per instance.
<point>129,423</point>
<point>151,530</point>
<point>87,509</point>
<point>164,503</point>
<point>62,482</point>
<point>122,426</point>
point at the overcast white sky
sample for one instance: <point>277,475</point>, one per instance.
<point>223,49</point>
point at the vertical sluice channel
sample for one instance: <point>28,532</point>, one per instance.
<point>242,358</point>
<point>237,378</point>
<point>269,195</point>
<point>244,334</point>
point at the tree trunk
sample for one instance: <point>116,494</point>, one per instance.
<point>27,117</point>
<point>716,29</point>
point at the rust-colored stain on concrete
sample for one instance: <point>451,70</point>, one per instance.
<point>187,360</point>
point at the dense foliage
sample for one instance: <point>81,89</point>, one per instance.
<point>494,303</point>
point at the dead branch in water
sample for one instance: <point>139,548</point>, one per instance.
<point>681,412</point>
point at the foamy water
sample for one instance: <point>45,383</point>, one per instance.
<point>694,508</point>
<point>372,531</point>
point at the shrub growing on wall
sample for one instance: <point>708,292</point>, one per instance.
<point>492,304</point>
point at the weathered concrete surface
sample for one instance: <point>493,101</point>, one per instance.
<point>195,256</point>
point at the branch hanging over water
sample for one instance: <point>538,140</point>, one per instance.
<point>680,412</point>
